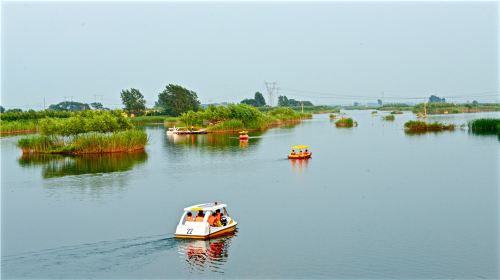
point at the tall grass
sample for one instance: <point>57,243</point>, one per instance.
<point>421,126</point>
<point>486,126</point>
<point>22,126</point>
<point>389,118</point>
<point>88,143</point>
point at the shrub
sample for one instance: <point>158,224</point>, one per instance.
<point>421,126</point>
<point>389,118</point>
<point>347,122</point>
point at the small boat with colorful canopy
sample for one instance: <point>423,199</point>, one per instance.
<point>243,135</point>
<point>203,221</point>
<point>300,152</point>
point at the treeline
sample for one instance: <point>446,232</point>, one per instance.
<point>18,115</point>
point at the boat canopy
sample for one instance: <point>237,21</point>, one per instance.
<point>205,207</point>
<point>243,132</point>
<point>300,147</point>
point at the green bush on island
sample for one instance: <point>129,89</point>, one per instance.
<point>87,143</point>
<point>485,126</point>
<point>85,121</point>
<point>421,126</point>
<point>389,118</point>
<point>396,112</point>
<point>333,116</point>
<point>85,132</point>
<point>344,122</point>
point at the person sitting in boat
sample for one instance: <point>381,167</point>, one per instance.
<point>306,152</point>
<point>293,152</point>
<point>189,217</point>
<point>300,153</point>
<point>199,217</point>
<point>211,219</point>
<point>218,216</point>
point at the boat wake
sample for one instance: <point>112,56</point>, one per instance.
<point>87,260</point>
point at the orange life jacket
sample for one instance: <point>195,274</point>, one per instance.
<point>189,219</point>
<point>199,219</point>
<point>217,217</point>
<point>211,220</point>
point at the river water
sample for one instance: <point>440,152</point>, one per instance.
<point>373,202</point>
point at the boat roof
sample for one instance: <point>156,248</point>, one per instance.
<point>206,207</point>
<point>300,147</point>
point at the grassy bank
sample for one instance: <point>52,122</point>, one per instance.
<point>87,143</point>
<point>422,127</point>
<point>236,117</point>
<point>319,109</point>
<point>345,122</point>
<point>485,126</point>
<point>451,108</point>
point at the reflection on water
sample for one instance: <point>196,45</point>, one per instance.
<point>244,144</point>
<point>59,166</point>
<point>299,164</point>
<point>201,255</point>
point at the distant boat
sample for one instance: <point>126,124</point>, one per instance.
<point>243,135</point>
<point>184,131</point>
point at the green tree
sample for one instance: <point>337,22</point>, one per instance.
<point>259,99</point>
<point>133,100</point>
<point>283,101</point>
<point>2,109</point>
<point>175,100</point>
<point>96,105</point>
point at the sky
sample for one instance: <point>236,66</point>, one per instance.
<point>325,52</point>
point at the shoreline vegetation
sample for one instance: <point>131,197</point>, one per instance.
<point>87,132</point>
<point>236,117</point>
<point>423,127</point>
<point>432,108</point>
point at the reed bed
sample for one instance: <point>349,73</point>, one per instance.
<point>422,127</point>
<point>397,112</point>
<point>87,143</point>
<point>485,126</point>
<point>389,118</point>
<point>333,116</point>
<point>345,122</point>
